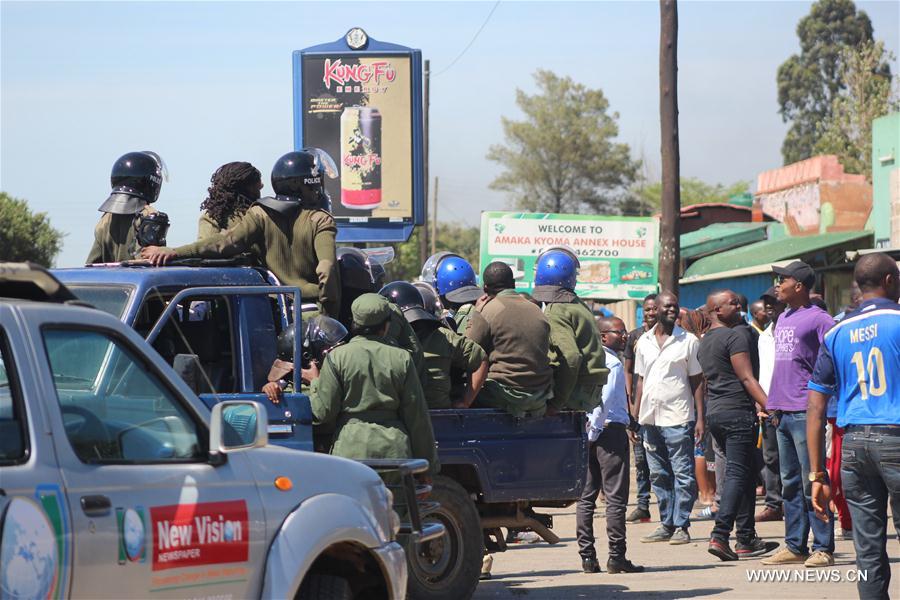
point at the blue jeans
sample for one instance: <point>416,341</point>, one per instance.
<point>670,455</point>
<point>799,516</point>
<point>870,472</point>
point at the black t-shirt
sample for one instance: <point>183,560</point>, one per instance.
<point>753,339</point>
<point>725,393</point>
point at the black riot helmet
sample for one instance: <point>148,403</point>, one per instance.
<point>136,179</point>
<point>356,269</point>
<point>407,297</point>
<point>300,176</point>
<point>430,300</point>
<point>322,334</point>
<point>285,344</point>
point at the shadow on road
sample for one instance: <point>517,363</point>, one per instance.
<point>496,588</point>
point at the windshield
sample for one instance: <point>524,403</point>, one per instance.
<point>111,299</point>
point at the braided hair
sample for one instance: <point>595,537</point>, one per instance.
<point>235,186</point>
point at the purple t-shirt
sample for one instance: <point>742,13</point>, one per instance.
<point>798,335</point>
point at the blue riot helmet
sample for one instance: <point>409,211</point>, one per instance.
<point>453,278</point>
<point>429,269</point>
<point>557,266</point>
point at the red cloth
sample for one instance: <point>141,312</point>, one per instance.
<point>833,464</point>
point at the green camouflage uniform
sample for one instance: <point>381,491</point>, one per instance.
<point>114,239</point>
<point>576,352</point>
<point>299,250</point>
<point>444,349</point>
<point>371,393</point>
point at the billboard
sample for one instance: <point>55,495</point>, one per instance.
<point>361,101</point>
<point>618,254</point>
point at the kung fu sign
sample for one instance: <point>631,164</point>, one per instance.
<point>360,100</point>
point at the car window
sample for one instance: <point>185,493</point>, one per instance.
<point>12,419</point>
<point>111,299</point>
<point>114,407</point>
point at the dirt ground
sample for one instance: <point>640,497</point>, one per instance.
<point>542,571</point>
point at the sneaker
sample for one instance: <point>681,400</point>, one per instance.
<point>590,565</point>
<point>820,558</point>
<point>705,514</point>
<point>681,536</point>
<point>769,514</point>
<point>785,557</point>
<point>847,534</point>
<point>721,550</point>
<point>528,537</point>
<point>638,515</point>
<point>755,547</point>
<point>660,534</point>
<point>622,565</point>
<point>486,564</point>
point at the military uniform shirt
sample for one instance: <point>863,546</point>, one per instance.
<point>300,251</point>
<point>444,349</point>
<point>370,391</point>
<point>114,238</point>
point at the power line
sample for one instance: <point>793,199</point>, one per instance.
<point>472,41</point>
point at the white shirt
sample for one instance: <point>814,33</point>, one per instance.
<point>667,399</point>
<point>766,348</point>
<point>614,408</point>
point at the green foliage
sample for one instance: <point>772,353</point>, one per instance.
<point>847,132</point>
<point>451,237</point>
<point>645,198</point>
<point>809,82</point>
<point>562,157</point>
<point>26,236</point>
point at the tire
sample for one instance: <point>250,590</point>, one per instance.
<point>318,586</point>
<point>448,568</point>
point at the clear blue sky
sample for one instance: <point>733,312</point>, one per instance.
<point>207,83</point>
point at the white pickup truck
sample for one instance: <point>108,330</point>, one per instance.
<point>117,481</point>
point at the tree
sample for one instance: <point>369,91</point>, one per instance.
<point>26,236</point>
<point>645,198</point>
<point>562,157</point>
<point>451,237</point>
<point>809,82</point>
<point>847,132</point>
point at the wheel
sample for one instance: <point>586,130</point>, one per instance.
<point>448,568</point>
<point>318,586</point>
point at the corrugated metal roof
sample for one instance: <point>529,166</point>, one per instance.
<point>769,251</point>
<point>721,236</point>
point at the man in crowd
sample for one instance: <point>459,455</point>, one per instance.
<point>516,336</point>
<point>641,513</point>
<point>771,469</point>
<point>732,397</point>
<point>858,363</point>
<point>759,318</point>
<point>798,335</point>
<point>607,461</point>
<point>669,408</point>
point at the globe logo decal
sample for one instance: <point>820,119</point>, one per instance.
<point>229,531</point>
<point>28,554</point>
<point>133,535</point>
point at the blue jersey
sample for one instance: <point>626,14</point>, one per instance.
<point>859,362</point>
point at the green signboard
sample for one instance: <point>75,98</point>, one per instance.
<point>618,254</point>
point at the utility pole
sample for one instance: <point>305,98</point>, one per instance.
<point>434,217</point>
<point>670,223</point>
<point>423,233</point>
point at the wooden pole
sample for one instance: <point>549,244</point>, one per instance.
<point>434,217</point>
<point>670,223</point>
<point>423,233</point>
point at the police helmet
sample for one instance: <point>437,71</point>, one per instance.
<point>285,343</point>
<point>356,269</point>
<point>407,297</point>
<point>453,278</point>
<point>136,180</point>
<point>300,176</point>
<point>430,299</point>
<point>322,334</point>
<point>557,266</point>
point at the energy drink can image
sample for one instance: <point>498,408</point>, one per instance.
<point>361,157</point>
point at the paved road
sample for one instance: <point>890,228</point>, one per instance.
<point>541,571</point>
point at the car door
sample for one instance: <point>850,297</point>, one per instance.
<point>150,513</point>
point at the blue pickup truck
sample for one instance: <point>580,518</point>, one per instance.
<point>495,471</point>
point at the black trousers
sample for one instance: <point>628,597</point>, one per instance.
<point>608,469</point>
<point>736,433</point>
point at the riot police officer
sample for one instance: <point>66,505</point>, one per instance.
<point>453,278</point>
<point>577,355</point>
<point>443,348</point>
<point>370,392</point>
<point>129,222</point>
<point>234,187</point>
<point>294,230</point>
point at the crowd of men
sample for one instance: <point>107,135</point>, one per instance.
<point>754,397</point>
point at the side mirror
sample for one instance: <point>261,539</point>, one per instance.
<point>237,425</point>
